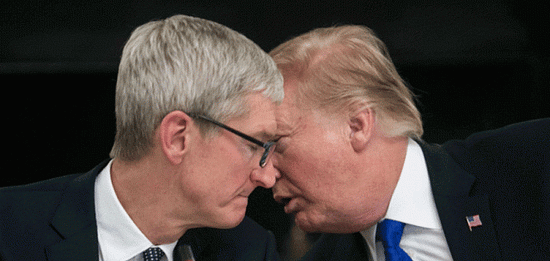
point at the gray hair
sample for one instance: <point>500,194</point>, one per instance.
<point>343,68</point>
<point>188,64</point>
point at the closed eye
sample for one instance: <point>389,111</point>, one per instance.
<point>253,147</point>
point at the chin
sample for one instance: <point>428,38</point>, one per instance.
<point>323,225</point>
<point>231,220</point>
<point>306,224</point>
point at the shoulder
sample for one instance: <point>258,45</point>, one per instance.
<point>338,247</point>
<point>25,214</point>
<point>527,135</point>
<point>33,197</point>
<point>248,234</point>
<point>511,167</point>
<point>249,228</point>
<point>37,215</point>
<point>514,158</point>
<point>522,145</point>
<point>44,193</point>
<point>254,242</point>
<point>247,241</point>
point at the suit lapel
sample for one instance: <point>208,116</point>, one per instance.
<point>75,220</point>
<point>451,187</point>
<point>82,246</point>
<point>200,240</point>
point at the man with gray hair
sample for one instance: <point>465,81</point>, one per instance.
<point>195,110</point>
<point>353,165</point>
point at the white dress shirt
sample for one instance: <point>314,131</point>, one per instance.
<point>413,203</point>
<point>119,237</point>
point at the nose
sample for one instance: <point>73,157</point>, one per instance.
<point>266,176</point>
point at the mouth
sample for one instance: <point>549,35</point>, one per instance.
<point>240,202</point>
<point>282,199</point>
<point>285,201</point>
<point>290,203</point>
<point>242,196</point>
<point>245,193</point>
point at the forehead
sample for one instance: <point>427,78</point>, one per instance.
<point>289,114</point>
<point>260,121</point>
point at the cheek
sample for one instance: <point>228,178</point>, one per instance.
<point>313,174</point>
<point>322,176</point>
<point>314,159</point>
<point>217,182</point>
<point>232,178</point>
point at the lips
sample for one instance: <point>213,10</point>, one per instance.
<point>281,198</point>
<point>246,192</point>
<point>285,201</point>
<point>288,201</point>
<point>292,206</point>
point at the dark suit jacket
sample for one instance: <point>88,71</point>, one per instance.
<point>55,220</point>
<point>501,175</point>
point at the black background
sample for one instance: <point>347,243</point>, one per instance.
<point>475,65</point>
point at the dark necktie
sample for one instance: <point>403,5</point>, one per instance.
<point>183,253</point>
<point>390,232</point>
<point>153,254</point>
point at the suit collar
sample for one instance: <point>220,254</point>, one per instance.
<point>196,239</point>
<point>412,200</point>
<point>451,187</point>
<point>451,180</point>
<point>75,222</point>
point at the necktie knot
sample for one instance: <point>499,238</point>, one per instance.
<point>153,254</point>
<point>390,233</point>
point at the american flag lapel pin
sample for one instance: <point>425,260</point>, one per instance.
<point>473,221</point>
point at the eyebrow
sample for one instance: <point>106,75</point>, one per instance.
<point>264,135</point>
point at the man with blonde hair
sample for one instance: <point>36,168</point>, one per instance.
<point>195,105</point>
<point>353,165</point>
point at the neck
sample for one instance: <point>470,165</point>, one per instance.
<point>386,157</point>
<point>393,154</point>
<point>145,188</point>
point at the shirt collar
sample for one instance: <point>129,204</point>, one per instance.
<point>412,201</point>
<point>119,237</point>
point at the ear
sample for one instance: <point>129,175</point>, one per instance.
<point>361,124</point>
<point>173,132</point>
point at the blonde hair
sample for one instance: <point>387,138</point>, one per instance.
<point>188,64</point>
<point>342,68</point>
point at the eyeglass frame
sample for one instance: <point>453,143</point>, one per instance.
<point>268,147</point>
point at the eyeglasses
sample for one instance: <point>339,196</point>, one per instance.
<point>269,146</point>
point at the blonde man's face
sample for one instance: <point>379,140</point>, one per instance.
<point>321,182</point>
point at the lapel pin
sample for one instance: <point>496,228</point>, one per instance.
<point>473,221</point>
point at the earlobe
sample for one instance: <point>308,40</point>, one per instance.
<point>362,126</point>
<point>172,135</point>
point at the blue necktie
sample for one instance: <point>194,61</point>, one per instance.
<point>153,254</point>
<point>390,232</point>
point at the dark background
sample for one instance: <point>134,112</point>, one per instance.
<point>475,65</point>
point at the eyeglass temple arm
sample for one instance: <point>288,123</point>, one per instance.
<point>242,135</point>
